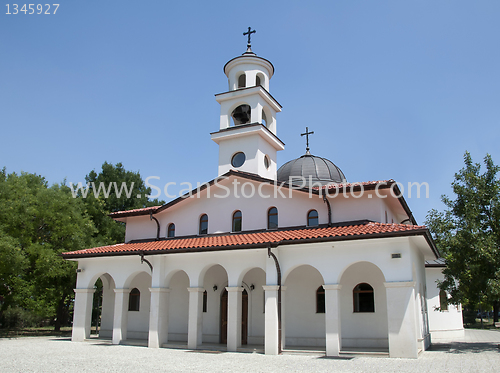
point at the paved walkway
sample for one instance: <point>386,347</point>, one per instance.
<point>477,352</point>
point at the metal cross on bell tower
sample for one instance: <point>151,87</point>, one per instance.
<point>306,134</point>
<point>249,33</point>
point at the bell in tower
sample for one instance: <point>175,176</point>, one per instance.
<point>241,115</point>
<point>248,117</point>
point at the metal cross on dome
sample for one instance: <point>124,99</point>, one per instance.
<point>306,134</point>
<point>249,33</point>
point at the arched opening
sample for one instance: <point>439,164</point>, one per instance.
<point>139,299</point>
<point>264,118</point>
<point>312,218</point>
<point>253,316</point>
<point>304,323</point>
<point>214,321</point>
<point>363,307</point>
<point>241,115</point>
<point>237,221</point>
<point>242,81</point>
<point>171,230</point>
<point>272,218</point>
<point>203,224</point>
<point>260,80</point>
<point>103,307</point>
<point>178,307</point>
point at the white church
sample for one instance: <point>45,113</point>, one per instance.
<point>266,258</point>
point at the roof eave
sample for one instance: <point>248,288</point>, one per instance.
<point>416,232</point>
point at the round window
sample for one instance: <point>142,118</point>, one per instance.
<point>267,163</point>
<point>238,159</point>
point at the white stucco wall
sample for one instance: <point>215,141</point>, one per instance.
<point>216,275</point>
<point>363,329</point>
<point>304,327</point>
<point>178,305</point>
<point>304,268</point>
<point>256,277</point>
<point>251,67</point>
<point>255,148</point>
<point>442,324</point>
<point>138,321</point>
<point>292,210</point>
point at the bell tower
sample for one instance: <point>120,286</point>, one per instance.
<point>247,136</point>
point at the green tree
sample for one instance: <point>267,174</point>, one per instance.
<point>114,189</point>
<point>37,224</point>
<point>468,235</point>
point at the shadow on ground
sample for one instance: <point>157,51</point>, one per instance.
<point>465,347</point>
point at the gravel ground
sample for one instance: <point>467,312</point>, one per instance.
<point>477,352</point>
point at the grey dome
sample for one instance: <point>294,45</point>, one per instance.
<point>320,170</point>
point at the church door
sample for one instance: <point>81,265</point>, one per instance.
<point>244,317</point>
<point>223,317</point>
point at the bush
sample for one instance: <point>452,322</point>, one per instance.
<point>18,318</point>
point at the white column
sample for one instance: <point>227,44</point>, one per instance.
<point>271,320</point>
<point>401,319</point>
<point>158,317</point>
<point>195,323</point>
<point>283,327</point>
<point>233,317</point>
<point>120,316</point>
<point>82,314</point>
<point>332,319</point>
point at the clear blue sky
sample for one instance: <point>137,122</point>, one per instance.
<point>392,89</point>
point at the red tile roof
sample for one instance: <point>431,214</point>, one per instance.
<point>255,240</point>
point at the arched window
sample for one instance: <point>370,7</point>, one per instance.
<point>205,296</point>
<point>237,221</point>
<point>264,118</point>
<point>312,218</point>
<point>171,230</point>
<point>242,81</point>
<point>242,114</point>
<point>272,218</point>
<point>260,79</point>
<point>134,300</point>
<point>320,300</point>
<point>443,300</point>
<point>363,298</point>
<point>204,224</point>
